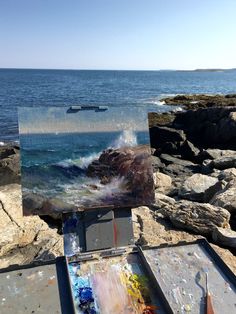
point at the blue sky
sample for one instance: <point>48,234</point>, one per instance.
<point>118,34</point>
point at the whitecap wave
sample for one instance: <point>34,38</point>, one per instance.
<point>81,162</point>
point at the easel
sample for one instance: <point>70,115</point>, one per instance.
<point>103,228</point>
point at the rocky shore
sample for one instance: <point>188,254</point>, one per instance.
<point>194,162</point>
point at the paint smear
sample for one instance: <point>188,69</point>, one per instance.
<point>111,287</point>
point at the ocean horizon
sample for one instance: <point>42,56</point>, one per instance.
<point>120,88</point>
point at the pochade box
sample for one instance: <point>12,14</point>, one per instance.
<point>91,165</point>
<point>164,279</point>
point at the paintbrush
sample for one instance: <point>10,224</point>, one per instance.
<point>208,300</point>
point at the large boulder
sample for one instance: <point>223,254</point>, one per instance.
<point>24,239</point>
<point>201,218</point>
<point>199,188</point>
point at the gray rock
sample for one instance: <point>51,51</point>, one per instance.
<point>162,182</point>
<point>226,198</point>
<point>200,218</point>
<point>168,159</point>
<point>211,153</point>
<point>162,200</point>
<point>156,163</point>
<point>223,163</point>
<point>24,239</point>
<point>199,187</point>
<point>227,174</point>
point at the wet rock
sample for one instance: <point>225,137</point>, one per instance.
<point>200,188</point>
<point>162,182</point>
<point>201,218</point>
<point>201,101</point>
<point>23,239</point>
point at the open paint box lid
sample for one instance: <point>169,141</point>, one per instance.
<point>41,287</point>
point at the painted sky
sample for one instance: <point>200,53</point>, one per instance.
<point>56,120</point>
<point>118,34</point>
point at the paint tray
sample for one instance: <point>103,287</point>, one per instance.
<point>113,284</point>
<point>41,287</point>
<point>178,272</point>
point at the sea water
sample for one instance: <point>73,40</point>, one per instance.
<point>19,87</point>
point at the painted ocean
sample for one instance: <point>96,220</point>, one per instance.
<point>19,87</point>
<point>84,158</point>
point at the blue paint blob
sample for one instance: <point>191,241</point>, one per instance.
<point>86,295</point>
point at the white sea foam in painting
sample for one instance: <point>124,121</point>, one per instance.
<point>127,138</point>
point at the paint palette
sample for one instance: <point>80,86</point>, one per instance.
<point>36,288</point>
<point>180,273</point>
<point>116,285</point>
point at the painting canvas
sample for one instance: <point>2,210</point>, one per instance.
<point>78,158</point>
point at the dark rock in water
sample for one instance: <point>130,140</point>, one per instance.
<point>133,164</point>
<point>201,101</point>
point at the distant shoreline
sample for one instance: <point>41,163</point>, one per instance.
<point>126,70</point>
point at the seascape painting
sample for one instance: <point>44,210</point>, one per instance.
<point>78,158</point>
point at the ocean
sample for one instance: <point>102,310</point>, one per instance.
<point>19,87</point>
